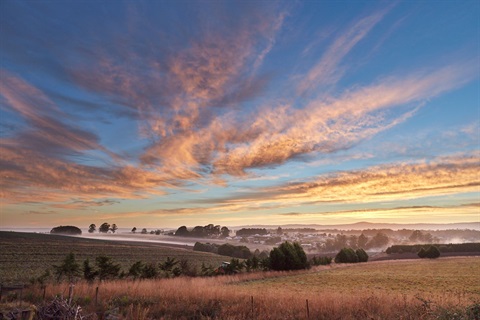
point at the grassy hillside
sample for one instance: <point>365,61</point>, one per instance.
<point>445,288</point>
<point>27,255</point>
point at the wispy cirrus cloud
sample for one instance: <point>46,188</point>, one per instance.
<point>327,70</point>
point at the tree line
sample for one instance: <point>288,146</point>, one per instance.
<point>209,230</point>
<point>104,228</point>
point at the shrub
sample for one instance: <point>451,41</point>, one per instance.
<point>321,261</point>
<point>69,268</point>
<point>149,271</point>
<point>88,273</point>
<point>106,268</point>
<point>432,252</point>
<point>136,269</point>
<point>288,256</point>
<point>234,251</point>
<point>206,247</point>
<point>346,255</point>
<point>422,253</point>
<point>362,255</point>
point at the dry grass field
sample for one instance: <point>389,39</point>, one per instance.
<point>445,288</point>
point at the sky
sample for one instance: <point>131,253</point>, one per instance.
<point>159,114</point>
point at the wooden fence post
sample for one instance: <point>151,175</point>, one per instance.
<point>253,315</point>
<point>70,293</point>
<point>308,311</point>
<point>44,291</point>
<point>96,296</point>
<point>21,294</point>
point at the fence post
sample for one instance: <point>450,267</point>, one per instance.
<point>96,296</point>
<point>70,293</point>
<point>308,311</point>
<point>253,315</point>
<point>21,294</point>
<point>44,291</point>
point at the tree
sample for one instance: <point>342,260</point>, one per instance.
<point>107,269</point>
<point>419,236</point>
<point>69,268</point>
<point>225,232</point>
<point>149,271</point>
<point>134,229</point>
<point>362,241</point>
<point>353,241</point>
<point>136,269</point>
<point>88,273</point>
<point>114,228</point>
<point>144,231</point>
<point>288,256</point>
<point>182,232</point>
<point>104,227</point>
<point>378,241</point>
<point>168,264</point>
<point>70,230</point>
<point>280,231</point>
<point>92,228</point>
<point>340,241</point>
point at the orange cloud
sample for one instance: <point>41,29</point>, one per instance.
<point>388,183</point>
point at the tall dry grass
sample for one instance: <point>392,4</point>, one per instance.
<point>228,297</point>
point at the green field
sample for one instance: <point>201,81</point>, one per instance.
<point>27,255</point>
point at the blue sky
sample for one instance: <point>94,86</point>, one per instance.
<point>169,113</point>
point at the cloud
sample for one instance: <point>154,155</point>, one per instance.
<point>450,175</point>
<point>376,184</point>
<point>83,204</point>
<point>202,101</point>
<point>464,209</point>
<point>47,131</point>
<point>277,135</point>
<point>327,71</point>
<point>33,212</point>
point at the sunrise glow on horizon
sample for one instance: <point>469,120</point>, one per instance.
<point>170,113</point>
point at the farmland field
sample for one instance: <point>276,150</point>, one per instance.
<point>444,288</point>
<point>27,255</point>
<point>447,276</point>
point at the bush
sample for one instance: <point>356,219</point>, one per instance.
<point>346,255</point>
<point>234,251</point>
<point>362,255</point>
<point>288,256</point>
<point>422,253</point>
<point>432,252</point>
<point>107,269</point>
<point>205,247</point>
<point>69,268</point>
<point>321,261</point>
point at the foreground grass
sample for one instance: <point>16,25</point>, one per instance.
<point>27,255</point>
<point>439,289</point>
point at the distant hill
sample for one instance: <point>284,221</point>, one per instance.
<point>370,225</point>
